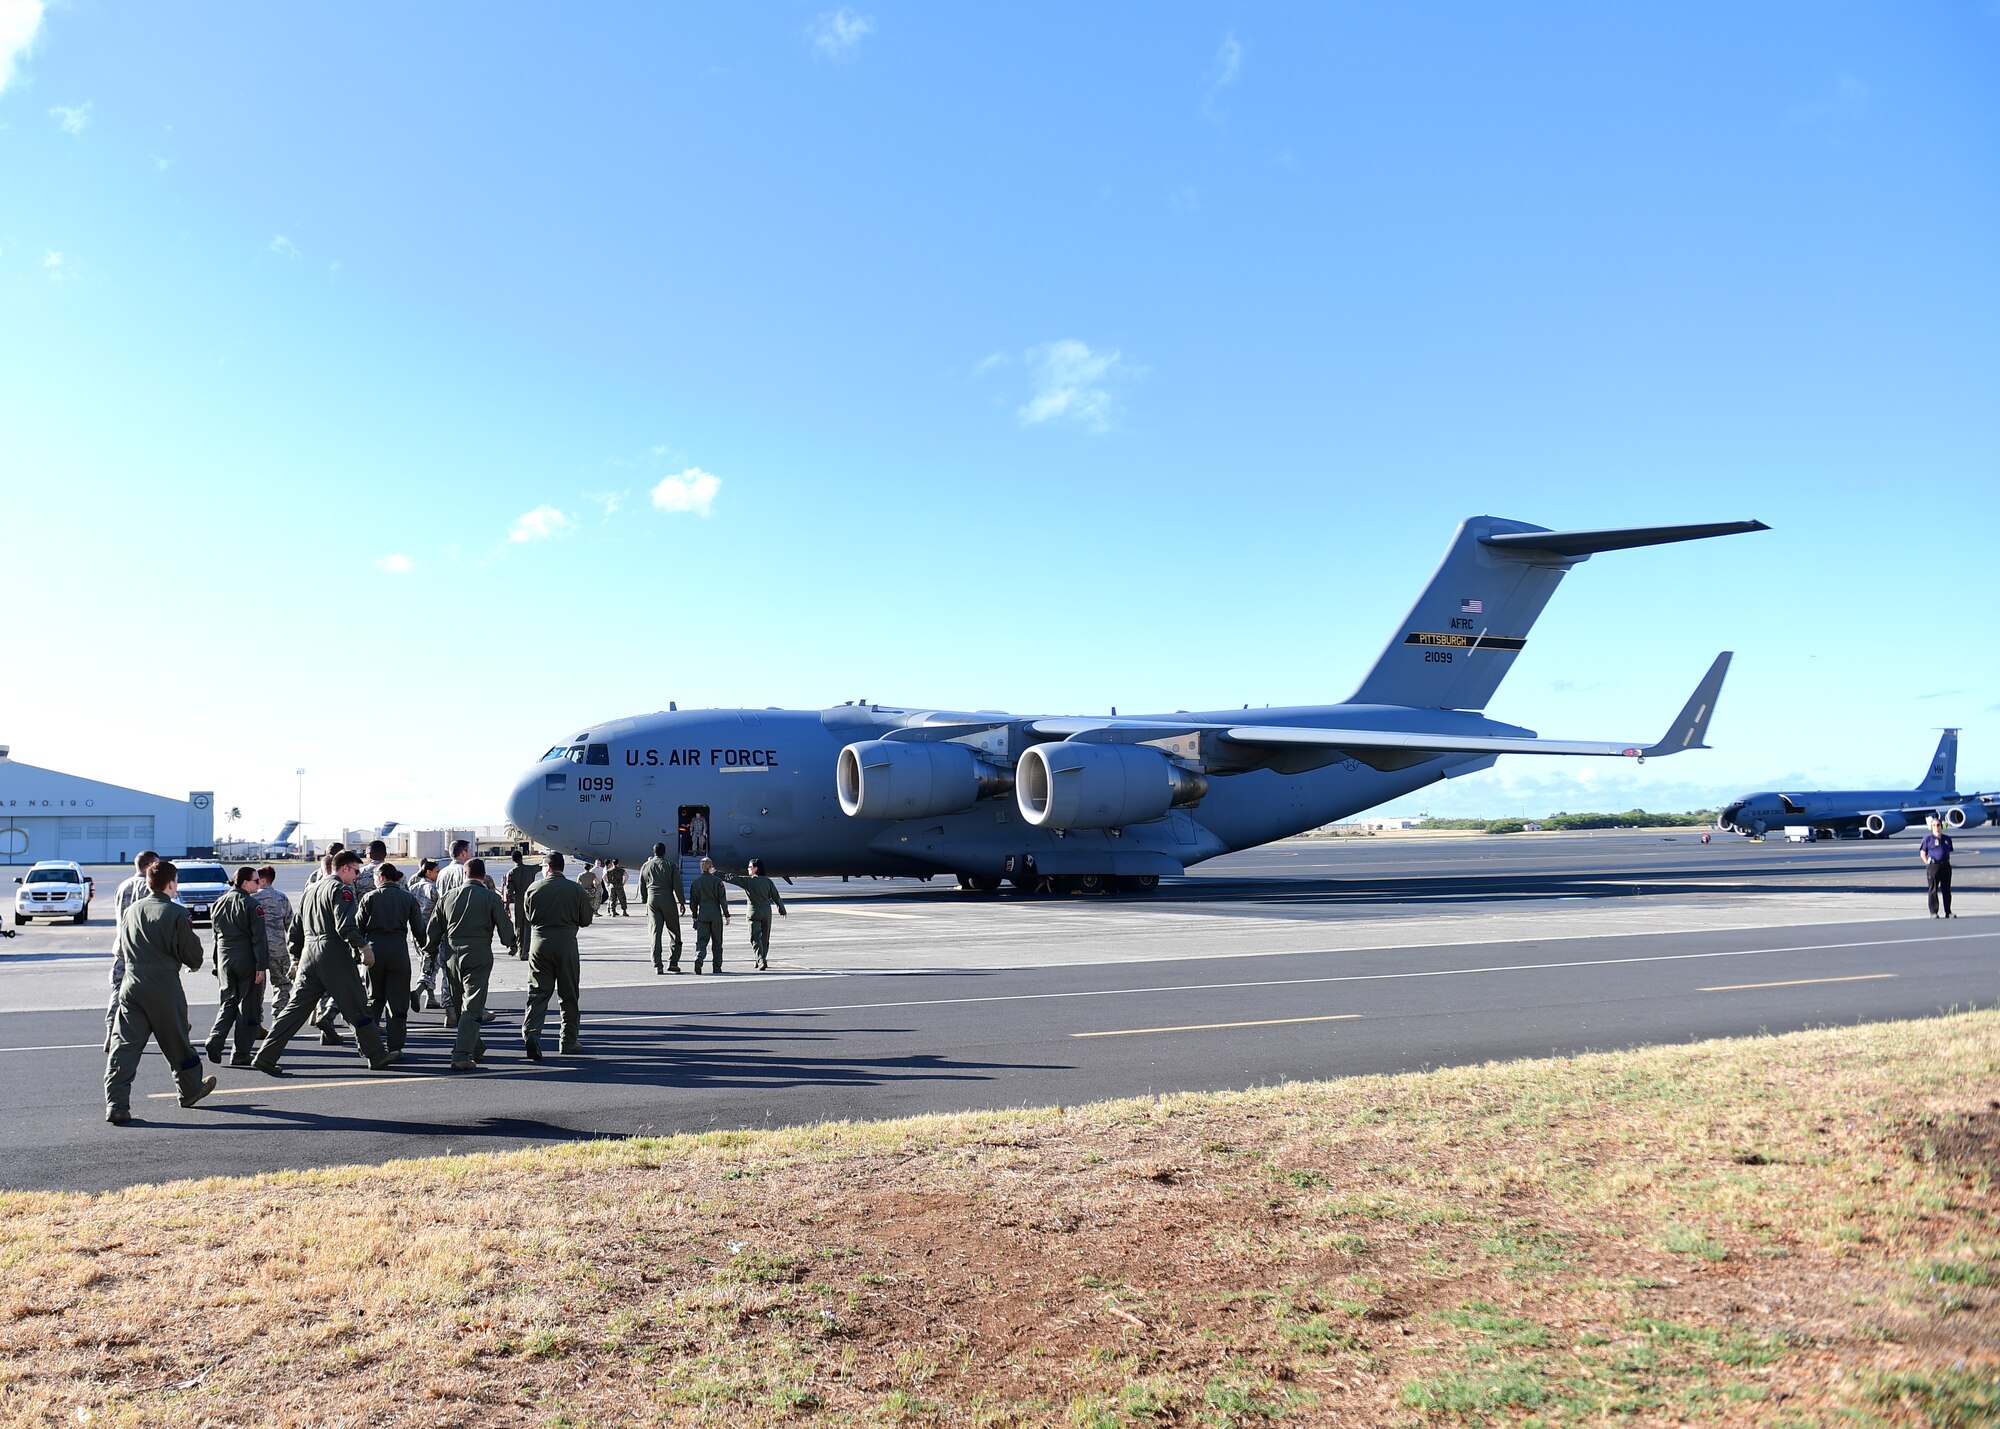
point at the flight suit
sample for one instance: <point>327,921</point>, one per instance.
<point>240,954</point>
<point>556,908</point>
<point>464,925</point>
<point>389,916</point>
<point>131,891</point>
<point>762,893</point>
<point>277,933</point>
<point>452,875</point>
<point>711,910</point>
<point>516,883</point>
<point>614,879</point>
<point>661,891</point>
<point>325,941</point>
<point>155,940</point>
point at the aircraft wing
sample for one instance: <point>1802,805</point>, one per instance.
<point>1381,748</point>
<point>1227,748</point>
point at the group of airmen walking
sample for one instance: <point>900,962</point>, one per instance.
<point>346,953</point>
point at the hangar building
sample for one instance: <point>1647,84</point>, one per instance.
<point>48,814</point>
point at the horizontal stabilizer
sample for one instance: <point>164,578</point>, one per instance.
<point>1575,544</point>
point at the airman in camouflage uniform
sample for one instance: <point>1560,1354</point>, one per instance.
<point>155,941</point>
<point>660,890</point>
<point>240,962</point>
<point>325,940</point>
<point>277,937</point>
<point>424,889</point>
<point>464,925</point>
<point>389,916</point>
<point>762,894</point>
<point>710,897</point>
<point>556,908</point>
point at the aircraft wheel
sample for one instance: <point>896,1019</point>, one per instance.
<point>1140,882</point>
<point>965,882</point>
<point>984,883</point>
<point>1024,882</point>
<point>1093,882</point>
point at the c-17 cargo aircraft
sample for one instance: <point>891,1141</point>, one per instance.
<point>1870,813</point>
<point>1089,802</point>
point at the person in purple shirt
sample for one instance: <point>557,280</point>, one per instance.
<point>1936,851</point>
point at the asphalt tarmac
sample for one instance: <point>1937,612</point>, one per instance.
<point>1308,959</point>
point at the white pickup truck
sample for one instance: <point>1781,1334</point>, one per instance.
<point>53,888</point>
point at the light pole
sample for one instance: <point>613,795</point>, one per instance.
<point>302,797</point>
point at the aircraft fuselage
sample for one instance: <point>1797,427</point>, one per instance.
<point>762,783</point>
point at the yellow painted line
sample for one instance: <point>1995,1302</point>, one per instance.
<point>1217,1026</point>
<point>870,913</point>
<point>286,1084</point>
<point>1796,982</point>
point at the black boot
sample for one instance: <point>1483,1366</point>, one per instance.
<point>368,1037</point>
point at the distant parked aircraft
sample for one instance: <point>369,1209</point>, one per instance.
<point>1871,813</point>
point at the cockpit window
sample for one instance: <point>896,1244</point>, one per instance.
<point>557,753</point>
<point>599,754</point>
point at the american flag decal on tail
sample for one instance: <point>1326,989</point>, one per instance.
<point>1472,607</point>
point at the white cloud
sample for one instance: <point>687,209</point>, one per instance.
<point>52,259</point>
<point>839,34</point>
<point>160,165</point>
<point>1223,73</point>
<point>1850,98</point>
<point>987,363</point>
<point>19,22</point>
<point>1074,381</point>
<point>395,565</point>
<point>283,247</point>
<point>74,118</point>
<point>610,502</point>
<point>538,525</point>
<point>691,490</point>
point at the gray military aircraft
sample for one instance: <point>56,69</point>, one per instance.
<point>1092,802</point>
<point>1869,813</point>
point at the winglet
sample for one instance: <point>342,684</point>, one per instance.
<point>1690,727</point>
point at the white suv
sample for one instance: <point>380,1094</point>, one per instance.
<point>53,888</point>
<point>201,883</point>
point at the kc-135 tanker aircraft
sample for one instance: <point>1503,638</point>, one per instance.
<point>1092,802</point>
<point>1868,813</point>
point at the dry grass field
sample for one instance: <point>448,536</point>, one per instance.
<point>1794,1230</point>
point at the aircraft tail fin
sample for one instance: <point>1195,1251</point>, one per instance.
<point>1942,777</point>
<point>285,834</point>
<point>1461,637</point>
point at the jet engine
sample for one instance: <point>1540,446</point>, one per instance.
<point>1965,816</point>
<point>898,779</point>
<point>1068,785</point>
<point>1880,826</point>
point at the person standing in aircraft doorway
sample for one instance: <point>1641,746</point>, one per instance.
<point>698,836</point>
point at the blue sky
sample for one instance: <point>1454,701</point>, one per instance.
<point>1037,357</point>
